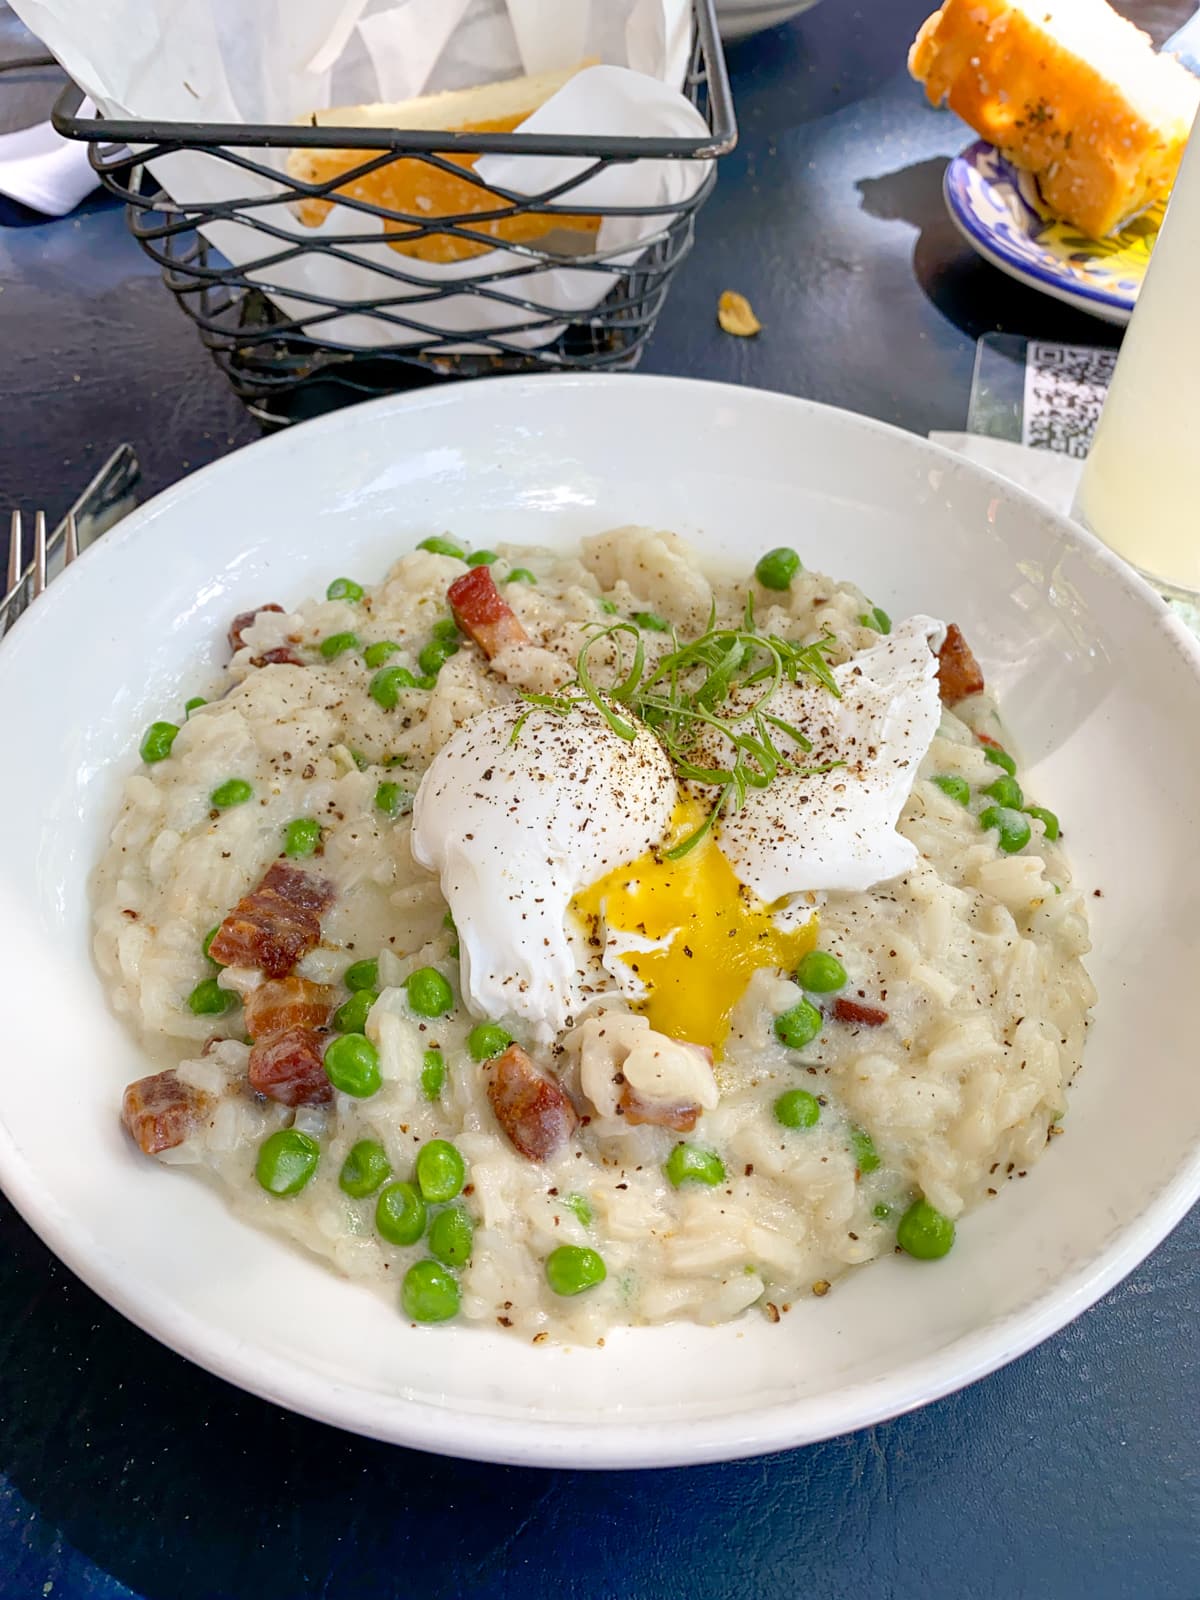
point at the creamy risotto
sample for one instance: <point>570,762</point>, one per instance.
<point>562,941</point>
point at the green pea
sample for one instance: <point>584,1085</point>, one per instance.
<point>487,1039</point>
<point>336,643</point>
<point>433,1075</point>
<point>578,1204</point>
<point>446,628</point>
<point>429,1293</point>
<point>957,788</point>
<point>688,1163</point>
<point>451,1235</point>
<point>882,1211</point>
<point>652,621</point>
<point>393,800</point>
<point>866,1157</point>
<point>799,1026</point>
<point>286,1161</point>
<point>208,999</point>
<point>609,607</point>
<point>193,704</point>
<point>233,792</point>
<point>777,568</point>
<point>797,1109</point>
<point>441,1171</point>
<point>877,618</point>
<point>442,547</point>
<point>1006,791</point>
<point>1000,758</point>
<point>820,973</point>
<point>376,654</point>
<point>344,589</point>
<point>1047,819</point>
<point>301,837</point>
<point>384,688</point>
<point>448,921</point>
<point>364,1169</point>
<point>362,975</point>
<point>157,741</point>
<point>520,575</point>
<point>400,1214</point>
<point>482,558</point>
<point>352,1065</point>
<point>206,945</point>
<point>352,1016</point>
<point>924,1232</point>
<point>429,994</point>
<point>359,760</point>
<point>435,655</point>
<point>572,1268</point>
<point>1012,827</point>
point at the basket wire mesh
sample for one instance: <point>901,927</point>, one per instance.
<point>288,362</point>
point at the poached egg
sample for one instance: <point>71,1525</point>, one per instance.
<point>520,809</point>
<point>550,836</point>
<point>837,829</point>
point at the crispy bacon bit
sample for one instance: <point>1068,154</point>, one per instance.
<point>288,1068</point>
<point>853,1011</point>
<point>681,1116</point>
<point>275,925</point>
<point>531,1107</point>
<point>283,1003</point>
<point>244,620</point>
<point>161,1111</point>
<point>482,612</point>
<point>282,655</point>
<point>992,744</point>
<point>959,674</point>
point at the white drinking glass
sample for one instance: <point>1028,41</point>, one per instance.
<point>1140,489</point>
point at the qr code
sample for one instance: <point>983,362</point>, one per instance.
<point>1065,385</point>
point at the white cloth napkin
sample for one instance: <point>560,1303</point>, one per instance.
<point>43,170</point>
<point>1045,473</point>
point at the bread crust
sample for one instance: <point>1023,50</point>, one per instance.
<point>420,192</point>
<point>1098,158</point>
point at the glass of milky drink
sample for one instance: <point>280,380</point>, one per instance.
<point>1140,490</point>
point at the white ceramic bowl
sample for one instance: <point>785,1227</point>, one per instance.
<point>1101,689</point>
<point>738,19</point>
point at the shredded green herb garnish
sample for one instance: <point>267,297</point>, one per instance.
<point>724,680</point>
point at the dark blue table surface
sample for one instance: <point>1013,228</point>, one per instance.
<point>126,1472</point>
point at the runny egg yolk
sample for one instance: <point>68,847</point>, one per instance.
<point>720,933</point>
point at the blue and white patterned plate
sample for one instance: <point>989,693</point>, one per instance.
<point>999,211</point>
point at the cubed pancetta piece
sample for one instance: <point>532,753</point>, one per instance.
<point>244,620</point>
<point>161,1111</point>
<point>959,674</point>
<point>482,612</point>
<point>288,1067</point>
<point>275,925</point>
<point>283,1003</point>
<point>531,1107</point>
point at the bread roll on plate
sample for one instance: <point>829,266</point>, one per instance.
<point>419,190</point>
<point>1068,90</point>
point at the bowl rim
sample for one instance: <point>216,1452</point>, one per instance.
<point>522,1441</point>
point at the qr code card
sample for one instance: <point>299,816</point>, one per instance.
<point>1065,385</point>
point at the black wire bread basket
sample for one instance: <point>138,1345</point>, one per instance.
<point>285,353</point>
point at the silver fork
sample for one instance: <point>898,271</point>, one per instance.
<point>105,500</point>
<point>34,579</point>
